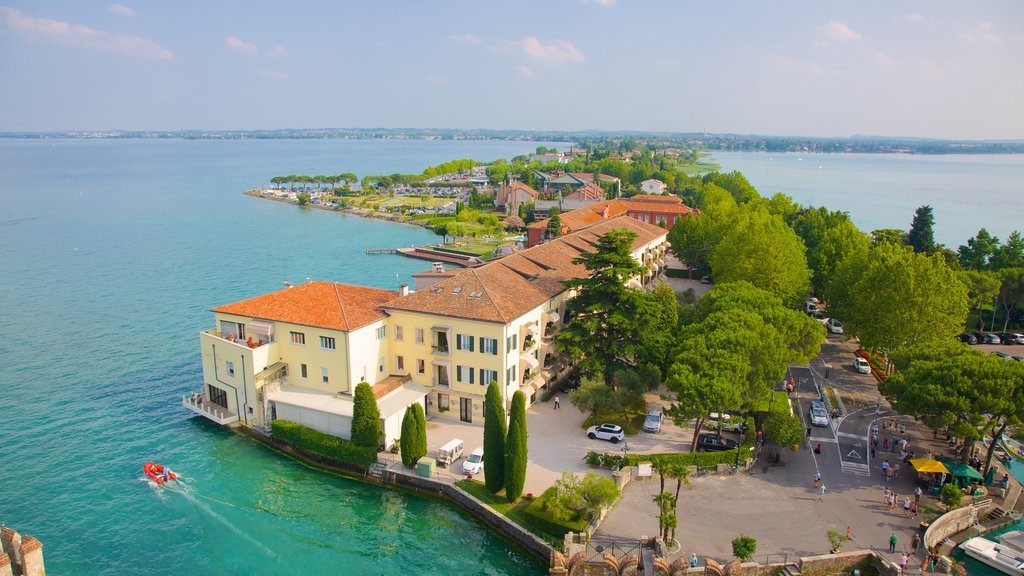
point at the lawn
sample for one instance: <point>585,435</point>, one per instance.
<point>537,522</point>
<point>632,422</point>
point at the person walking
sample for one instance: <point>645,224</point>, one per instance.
<point>556,402</point>
<point>904,560</point>
<point>915,543</point>
<point>906,507</point>
<point>808,431</point>
<point>817,478</point>
<point>917,494</point>
<point>892,542</point>
<point>821,493</point>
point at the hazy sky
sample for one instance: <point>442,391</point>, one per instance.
<point>932,69</point>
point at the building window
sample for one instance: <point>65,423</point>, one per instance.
<point>303,371</point>
<point>419,335</point>
<point>488,346</point>
<point>464,342</point>
<point>380,364</point>
<point>399,363</point>
<point>511,343</point>
<point>323,375</point>
<point>464,374</point>
<point>486,376</point>
<point>398,333</point>
<point>421,366</point>
<point>510,376</point>
<point>382,332</point>
<point>218,396</point>
<point>231,369</point>
<point>327,343</point>
<point>298,338</point>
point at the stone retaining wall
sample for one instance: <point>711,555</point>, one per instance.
<point>20,555</point>
<point>948,524</point>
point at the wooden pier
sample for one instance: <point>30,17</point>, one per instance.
<point>381,250</point>
<point>428,253</point>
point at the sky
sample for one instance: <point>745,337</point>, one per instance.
<point>937,69</point>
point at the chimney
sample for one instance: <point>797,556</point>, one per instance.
<point>403,290</point>
<point>438,267</point>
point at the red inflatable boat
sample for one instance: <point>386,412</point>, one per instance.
<point>158,473</point>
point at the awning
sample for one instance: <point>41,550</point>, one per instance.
<point>530,361</point>
<point>398,399</point>
<point>553,316</point>
<point>260,327</point>
<point>273,372</point>
<point>965,471</point>
<point>533,329</point>
<point>528,390</point>
<point>929,466</point>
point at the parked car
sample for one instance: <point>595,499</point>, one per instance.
<point>980,337</point>
<point>1002,355</point>
<point>737,425</point>
<point>1011,337</point>
<point>818,315</point>
<point>834,326</point>
<point>1019,358</point>
<point>712,443</point>
<point>652,423</point>
<point>570,383</point>
<point>609,432</point>
<point>861,365</point>
<point>968,338</point>
<point>473,463</point>
<point>819,415</point>
<point>705,279</point>
<point>991,338</point>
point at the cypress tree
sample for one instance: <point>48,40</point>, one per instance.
<point>408,440</point>
<point>365,417</point>
<point>515,448</point>
<point>420,447</point>
<point>494,438</point>
<point>921,237</point>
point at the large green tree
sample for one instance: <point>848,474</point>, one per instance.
<point>763,250</point>
<point>365,417</point>
<point>921,237</point>
<point>516,448</point>
<point>976,253</point>
<point>494,438</point>
<point>949,384</point>
<point>693,239</point>
<point>836,244</point>
<point>1010,254</point>
<point>982,291</point>
<point>891,297</point>
<point>608,319</point>
<point>1011,292</point>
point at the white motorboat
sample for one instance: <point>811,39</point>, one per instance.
<point>1006,555</point>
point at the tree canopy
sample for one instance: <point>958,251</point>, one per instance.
<point>921,236</point>
<point>516,448</point>
<point>891,297</point>
<point>494,438</point>
<point>365,417</point>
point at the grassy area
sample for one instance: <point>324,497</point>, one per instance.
<point>632,422</point>
<point>536,521</point>
<point>700,168</point>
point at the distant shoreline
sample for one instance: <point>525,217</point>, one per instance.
<point>359,212</point>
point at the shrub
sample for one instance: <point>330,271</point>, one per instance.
<point>593,459</point>
<point>365,417</point>
<point>573,498</point>
<point>494,439</point>
<point>744,547</point>
<point>421,431</point>
<point>325,445</point>
<point>516,448</point>
<point>951,496</point>
<point>703,459</point>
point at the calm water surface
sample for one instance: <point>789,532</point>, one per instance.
<point>112,254</point>
<point>882,190</point>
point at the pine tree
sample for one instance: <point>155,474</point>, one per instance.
<point>516,448</point>
<point>365,417</point>
<point>420,447</point>
<point>407,442</point>
<point>494,438</point>
<point>921,237</point>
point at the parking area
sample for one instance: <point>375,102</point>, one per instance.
<point>557,442</point>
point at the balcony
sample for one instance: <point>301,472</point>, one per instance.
<point>252,342</point>
<point>440,350</point>
<point>200,404</point>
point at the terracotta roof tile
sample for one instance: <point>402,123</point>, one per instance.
<point>322,304</point>
<point>505,289</point>
<point>656,198</point>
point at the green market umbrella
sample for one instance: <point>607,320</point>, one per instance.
<point>965,471</point>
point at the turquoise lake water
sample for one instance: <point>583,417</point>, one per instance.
<point>112,254</point>
<point>967,192</point>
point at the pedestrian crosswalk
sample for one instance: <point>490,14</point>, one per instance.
<point>856,468</point>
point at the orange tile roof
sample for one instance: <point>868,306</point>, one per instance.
<point>656,198</point>
<point>387,385</point>
<point>659,207</point>
<point>588,191</point>
<point>505,289</point>
<point>321,304</point>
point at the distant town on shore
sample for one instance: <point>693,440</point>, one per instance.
<point>706,140</point>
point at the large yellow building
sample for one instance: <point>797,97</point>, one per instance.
<point>297,354</point>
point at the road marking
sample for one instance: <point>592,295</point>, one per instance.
<point>854,436</point>
<point>826,440</point>
<point>855,468</point>
<point>853,454</point>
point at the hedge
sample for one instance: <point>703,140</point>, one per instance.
<point>703,459</point>
<point>676,273</point>
<point>542,520</point>
<point>326,445</point>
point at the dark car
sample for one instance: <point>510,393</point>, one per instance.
<point>980,337</point>
<point>712,443</point>
<point>570,383</point>
<point>1002,355</point>
<point>1010,338</point>
<point>705,279</point>
<point>968,338</point>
